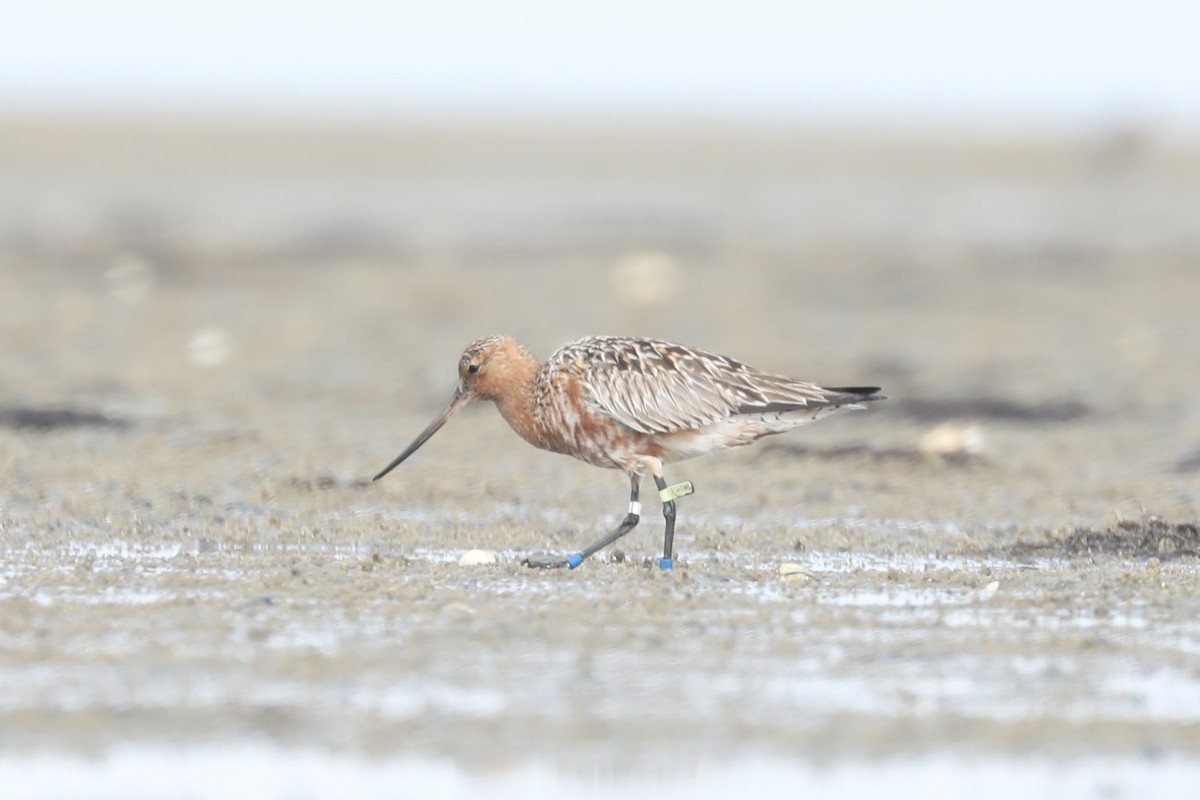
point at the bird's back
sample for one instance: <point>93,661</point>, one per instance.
<point>658,387</point>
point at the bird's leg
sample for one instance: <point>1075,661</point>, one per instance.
<point>629,523</point>
<point>668,494</point>
<point>668,515</point>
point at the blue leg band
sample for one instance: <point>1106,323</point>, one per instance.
<point>574,560</point>
<point>666,563</point>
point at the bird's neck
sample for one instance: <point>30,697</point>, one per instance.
<point>511,389</point>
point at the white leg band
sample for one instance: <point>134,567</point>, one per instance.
<point>635,508</point>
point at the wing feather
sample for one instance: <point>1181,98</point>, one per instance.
<point>653,386</point>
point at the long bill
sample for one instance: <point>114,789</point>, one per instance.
<point>457,401</point>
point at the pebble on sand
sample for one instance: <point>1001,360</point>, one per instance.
<point>646,278</point>
<point>209,347</point>
<point>794,573</point>
<point>473,558</point>
<point>953,439</point>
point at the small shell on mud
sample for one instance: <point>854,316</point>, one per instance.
<point>794,573</point>
<point>991,588</point>
<point>646,279</point>
<point>209,347</point>
<point>951,439</point>
<point>473,558</point>
<point>459,607</point>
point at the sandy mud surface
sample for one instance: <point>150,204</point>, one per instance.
<point>211,338</point>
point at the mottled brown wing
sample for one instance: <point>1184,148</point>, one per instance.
<point>659,387</point>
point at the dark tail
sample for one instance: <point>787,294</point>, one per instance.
<point>857,394</point>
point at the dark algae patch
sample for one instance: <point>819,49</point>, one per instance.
<point>997,409</point>
<point>1147,538</point>
<point>907,455</point>
<point>45,419</point>
<point>1189,463</point>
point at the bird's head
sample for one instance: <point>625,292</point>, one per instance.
<point>484,369</point>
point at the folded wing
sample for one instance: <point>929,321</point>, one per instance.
<point>659,387</point>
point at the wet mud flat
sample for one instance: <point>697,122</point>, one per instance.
<point>991,575</point>
<point>944,664</point>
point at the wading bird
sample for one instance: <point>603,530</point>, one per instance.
<point>633,405</point>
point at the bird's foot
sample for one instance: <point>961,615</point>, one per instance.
<point>550,562</point>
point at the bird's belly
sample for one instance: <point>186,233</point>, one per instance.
<point>734,431</point>
<point>602,448</point>
<point>591,438</point>
<point>604,442</point>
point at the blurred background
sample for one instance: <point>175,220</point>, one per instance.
<point>250,205</point>
<point>1014,64</point>
<point>242,245</point>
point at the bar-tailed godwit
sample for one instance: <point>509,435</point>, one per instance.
<point>633,405</point>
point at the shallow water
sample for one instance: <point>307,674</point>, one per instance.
<point>262,771</point>
<point>408,646</point>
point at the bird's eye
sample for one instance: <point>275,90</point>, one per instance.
<point>471,370</point>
